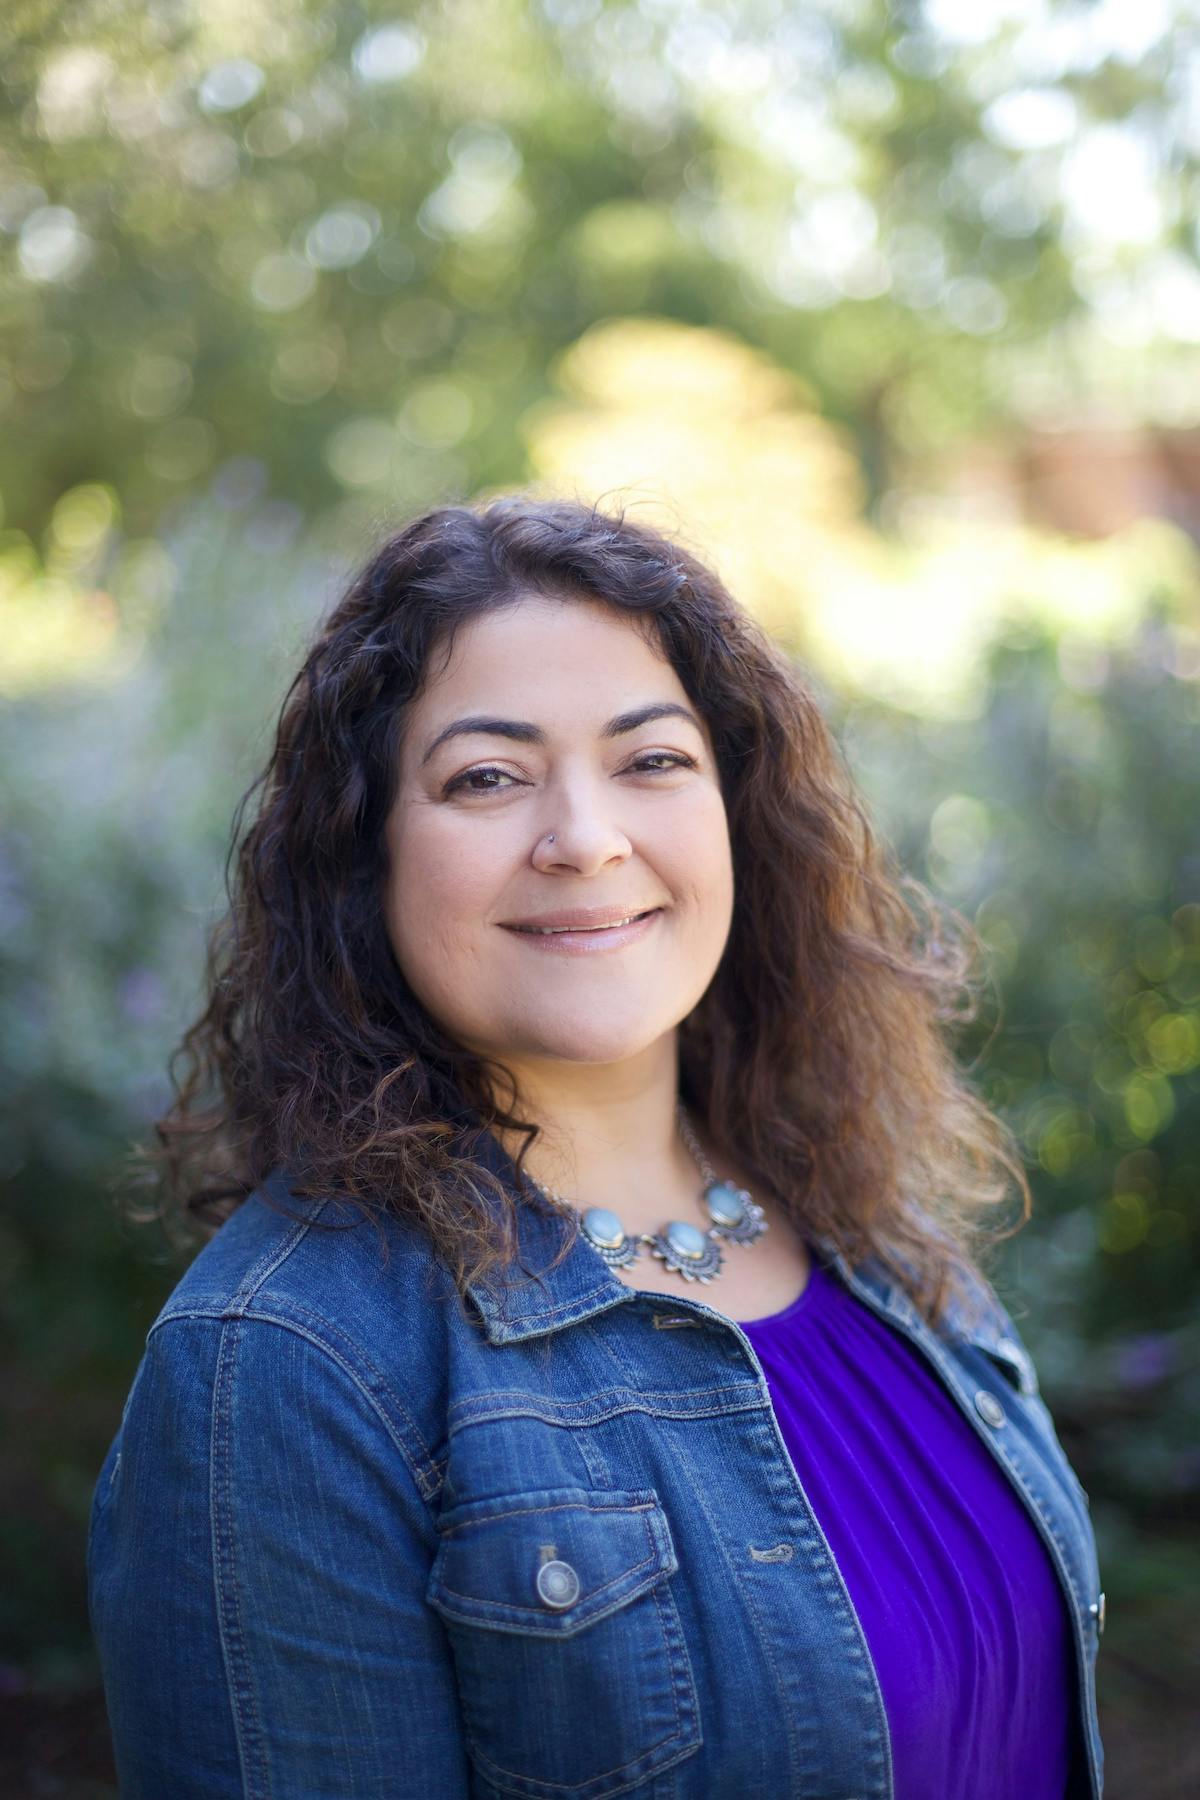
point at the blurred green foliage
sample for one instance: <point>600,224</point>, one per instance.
<point>345,239</point>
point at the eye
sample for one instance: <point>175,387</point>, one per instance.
<point>488,779</point>
<point>658,762</point>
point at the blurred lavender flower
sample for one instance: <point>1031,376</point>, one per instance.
<point>1187,1469</point>
<point>1143,1361</point>
<point>141,995</point>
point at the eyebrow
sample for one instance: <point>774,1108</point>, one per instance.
<point>523,733</point>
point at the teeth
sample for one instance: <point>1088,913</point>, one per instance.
<point>556,930</point>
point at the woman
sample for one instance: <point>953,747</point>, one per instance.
<point>661,1436</point>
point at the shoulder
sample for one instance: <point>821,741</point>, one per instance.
<point>292,1290</point>
<point>283,1253</point>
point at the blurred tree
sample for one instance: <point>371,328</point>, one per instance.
<point>341,240</point>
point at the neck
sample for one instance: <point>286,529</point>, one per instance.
<point>608,1133</point>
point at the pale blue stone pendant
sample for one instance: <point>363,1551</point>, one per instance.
<point>733,1213</point>
<point>687,1251</point>
<point>684,1248</point>
<point>605,1233</point>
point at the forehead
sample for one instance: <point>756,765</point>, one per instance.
<point>546,653</point>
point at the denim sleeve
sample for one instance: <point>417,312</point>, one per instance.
<point>257,1563</point>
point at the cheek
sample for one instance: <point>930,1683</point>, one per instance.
<point>437,892</point>
<point>701,862</point>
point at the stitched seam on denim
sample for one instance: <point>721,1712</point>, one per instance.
<point>618,1768</point>
<point>253,1279</point>
<point>426,1490</point>
<point>428,1484</point>
<point>1018,1475</point>
<point>623,1391</point>
<point>760,1632</point>
<point>611,1350</point>
<point>870,1282</point>
<point>1062,1562</point>
<point>662,1626</point>
<point>935,1353</point>
<point>668,1614</point>
<point>582,1304</point>
<point>828,1575</point>
<point>349,1349</point>
<point>669,1605</point>
<point>1083,1655</point>
<point>1000,1454</point>
<point>458,1689</point>
<point>586,1447</point>
<point>753,1403</point>
<point>539,1612</point>
<point>520,1512</point>
<point>1036,1410</point>
<point>248,1731</point>
<point>260,1271</point>
<point>271,1259</point>
<point>1002,1318</point>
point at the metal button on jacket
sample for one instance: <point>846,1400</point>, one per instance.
<point>1097,1611</point>
<point>557,1585</point>
<point>989,1408</point>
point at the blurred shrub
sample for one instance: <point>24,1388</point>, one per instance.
<point>1065,821</point>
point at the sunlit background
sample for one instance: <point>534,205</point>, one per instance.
<point>892,311</point>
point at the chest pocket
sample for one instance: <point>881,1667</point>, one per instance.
<point>573,1672</point>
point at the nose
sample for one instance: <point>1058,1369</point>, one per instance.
<point>588,837</point>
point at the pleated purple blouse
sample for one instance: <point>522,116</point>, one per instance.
<point>957,1596</point>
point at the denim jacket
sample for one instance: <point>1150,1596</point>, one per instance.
<point>351,1543</point>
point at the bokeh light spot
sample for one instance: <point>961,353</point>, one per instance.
<point>281,282</point>
<point>387,53</point>
<point>230,85</point>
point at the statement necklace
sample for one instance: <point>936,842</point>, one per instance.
<point>684,1248</point>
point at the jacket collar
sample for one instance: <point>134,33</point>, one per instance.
<point>527,1299</point>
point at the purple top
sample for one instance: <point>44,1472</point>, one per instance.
<point>957,1596</point>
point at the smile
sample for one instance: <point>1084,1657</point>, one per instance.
<point>587,938</point>
<point>557,930</point>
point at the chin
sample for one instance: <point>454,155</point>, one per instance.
<point>587,1044</point>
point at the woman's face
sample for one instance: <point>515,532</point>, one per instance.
<point>557,717</point>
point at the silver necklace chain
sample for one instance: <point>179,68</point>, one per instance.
<point>684,1248</point>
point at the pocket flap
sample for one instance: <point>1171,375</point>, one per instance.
<point>608,1546</point>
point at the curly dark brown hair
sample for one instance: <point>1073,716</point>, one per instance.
<point>821,1049</point>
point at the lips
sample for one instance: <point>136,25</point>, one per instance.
<point>596,931</point>
<point>577,920</point>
